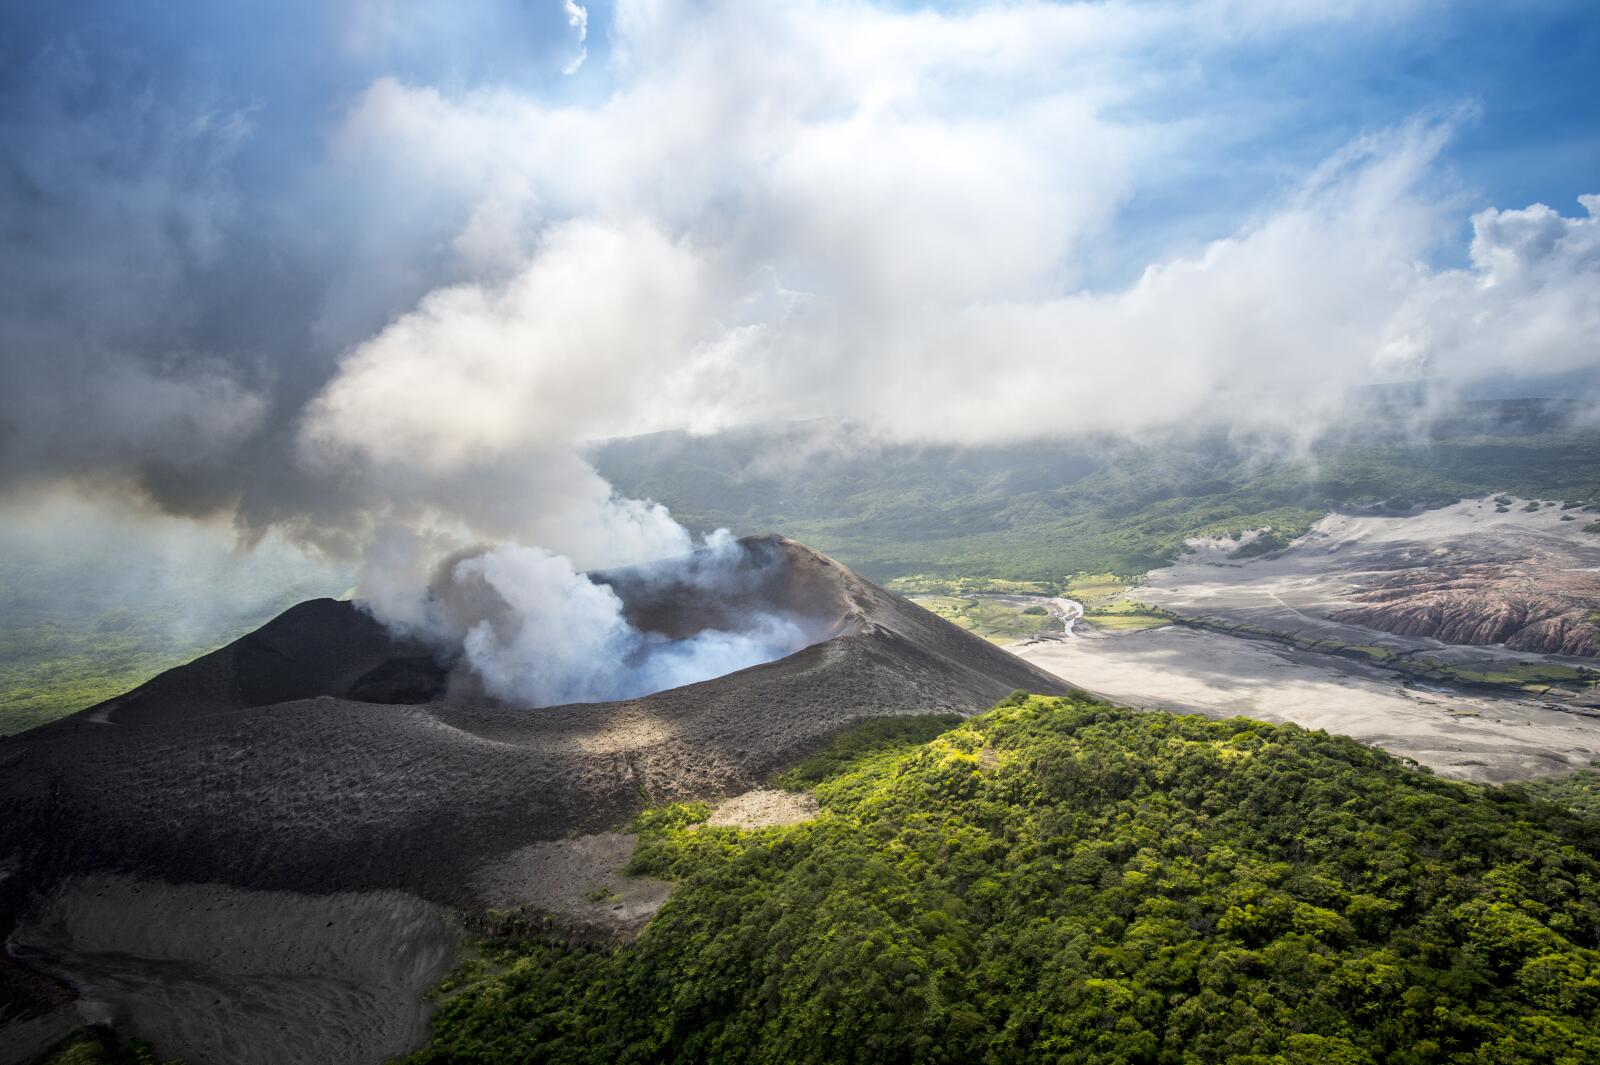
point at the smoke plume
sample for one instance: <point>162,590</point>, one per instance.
<point>521,626</point>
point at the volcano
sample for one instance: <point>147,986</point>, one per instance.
<point>318,787</point>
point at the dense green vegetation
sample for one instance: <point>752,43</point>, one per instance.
<point>1048,510</point>
<point>1579,792</point>
<point>927,584</point>
<point>1109,603</point>
<point>51,669</point>
<point>1064,881</point>
<point>997,620</point>
<point>991,607</point>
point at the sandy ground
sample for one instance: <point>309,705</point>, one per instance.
<point>213,974</point>
<point>581,879</point>
<point>1471,737</point>
<point>1475,736</point>
<point>764,808</point>
<point>1297,590</point>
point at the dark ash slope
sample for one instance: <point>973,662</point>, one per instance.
<point>289,759</point>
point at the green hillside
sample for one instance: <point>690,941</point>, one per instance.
<point>1063,881</point>
<point>80,626</point>
<point>1047,510</point>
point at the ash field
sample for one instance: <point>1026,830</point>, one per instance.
<point>271,853</point>
<point>1443,636</point>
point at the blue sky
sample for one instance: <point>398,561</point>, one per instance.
<point>1524,75</point>
<point>1525,71</point>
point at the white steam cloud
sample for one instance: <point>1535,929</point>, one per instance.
<point>522,626</point>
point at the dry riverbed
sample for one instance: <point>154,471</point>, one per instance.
<point>1466,735</point>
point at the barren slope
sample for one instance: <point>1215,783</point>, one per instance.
<point>1487,578</point>
<point>1529,606</point>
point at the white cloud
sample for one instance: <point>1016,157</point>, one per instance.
<point>544,358</point>
<point>831,208</point>
<point>752,212</point>
<point>578,19</point>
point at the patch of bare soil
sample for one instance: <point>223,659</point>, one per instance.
<point>1498,577</point>
<point>581,880</point>
<point>1477,737</point>
<point>1475,584</point>
<point>764,808</point>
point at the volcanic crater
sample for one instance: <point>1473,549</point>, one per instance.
<point>321,761</point>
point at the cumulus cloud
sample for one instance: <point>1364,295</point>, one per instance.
<point>915,269</point>
<point>540,359</point>
<point>408,305</point>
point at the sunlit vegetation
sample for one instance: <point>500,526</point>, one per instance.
<point>964,601</point>
<point>870,743</point>
<point>1127,617</point>
<point>1579,792</point>
<point>1064,881</point>
<point>923,584</point>
<point>1107,603</point>
<point>69,640</point>
<point>1097,590</point>
<point>1538,675</point>
<point>55,667</point>
<point>997,620</point>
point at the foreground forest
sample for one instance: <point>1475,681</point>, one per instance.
<point>1063,880</point>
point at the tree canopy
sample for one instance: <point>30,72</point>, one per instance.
<point>1061,880</point>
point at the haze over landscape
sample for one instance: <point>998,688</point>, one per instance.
<point>556,491</point>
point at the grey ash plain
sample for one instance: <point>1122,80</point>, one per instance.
<point>1509,575</point>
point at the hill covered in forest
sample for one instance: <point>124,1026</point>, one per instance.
<point>1047,509</point>
<point>1062,880</point>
